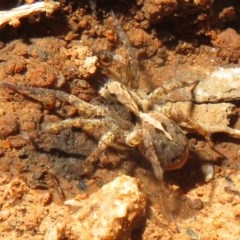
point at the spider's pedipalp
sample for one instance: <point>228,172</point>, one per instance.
<point>121,93</point>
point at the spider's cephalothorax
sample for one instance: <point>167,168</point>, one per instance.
<point>132,123</point>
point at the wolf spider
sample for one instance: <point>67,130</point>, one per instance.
<point>127,120</point>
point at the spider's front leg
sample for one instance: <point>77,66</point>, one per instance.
<point>39,94</point>
<point>160,94</point>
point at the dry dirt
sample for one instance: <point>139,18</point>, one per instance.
<point>39,170</point>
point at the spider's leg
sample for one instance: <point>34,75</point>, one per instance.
<point>105,141</point>
<point>141,138</point>
<point>39,93</point>
<point>207,135</point>
<point>134,137</point>
<point>145,103</point>
<point>159,94</point>
<point>177,116</point>
<point>82,106</point>
<point>215,119</point>
<point>142,102</point>
<point>204,133</point>
<point>133,61</point>
<point>88,125</point>
<point>148,151</point>
<point>84,124</point>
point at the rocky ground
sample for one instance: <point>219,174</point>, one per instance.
<point>43,194</point>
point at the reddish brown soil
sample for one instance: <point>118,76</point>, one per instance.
<point>171,38</point>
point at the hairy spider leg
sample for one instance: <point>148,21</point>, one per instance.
<point>150,154</point>
<point>137,136</point>
<point>84,124</point>
<point>159,94</point>
<point>133,139</point>
<point>133,61</point>
<point>83,107</point>
<point>105,141</point>
<point>178,115</point>
<point>88,125</point>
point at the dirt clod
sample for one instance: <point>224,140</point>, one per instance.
<point>9,125</point>
<point>156,10</point>
<point>228,44</point>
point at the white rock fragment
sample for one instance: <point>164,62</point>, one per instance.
<point>207,85</point>
<point>111,213</point>
<point>84,59</point>
<point>13,15</point>
<point>221,84</point>
<point>208,171</point>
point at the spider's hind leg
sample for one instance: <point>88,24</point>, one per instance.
<point>178,116</point>
<point>142,139</point>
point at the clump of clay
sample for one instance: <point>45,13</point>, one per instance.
<point>228,45</point>
<point>156,10</point>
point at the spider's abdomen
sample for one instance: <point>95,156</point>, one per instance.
<point>170,144</point>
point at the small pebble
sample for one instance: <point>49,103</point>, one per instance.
<point>46,198</point>
<point>208,171</point>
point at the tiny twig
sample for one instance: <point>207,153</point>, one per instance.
<point>12,16</point>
